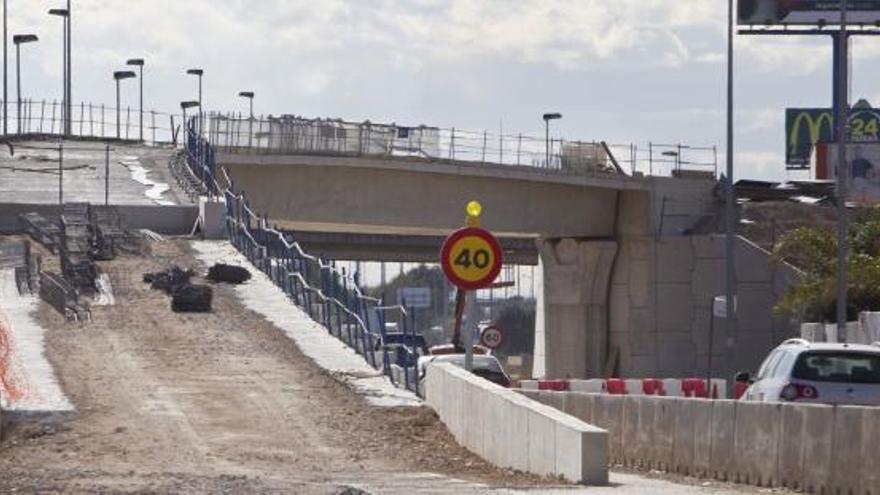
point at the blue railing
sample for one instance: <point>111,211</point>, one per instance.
<point>329,295</point>
<point>200,158</point>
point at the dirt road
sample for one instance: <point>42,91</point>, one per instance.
<point>212,402</point>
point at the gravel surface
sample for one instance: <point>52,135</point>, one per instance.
<point>219,402</point>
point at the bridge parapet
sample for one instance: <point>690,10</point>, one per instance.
<point>295,135</point>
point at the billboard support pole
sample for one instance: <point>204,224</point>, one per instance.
<point>841,97</point>
<point>730,217</point>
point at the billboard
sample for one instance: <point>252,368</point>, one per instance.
<point>806,127</point>
<point>805,12</point>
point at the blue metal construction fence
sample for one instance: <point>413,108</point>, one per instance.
<point>200,158</point>
<point>327,293</point>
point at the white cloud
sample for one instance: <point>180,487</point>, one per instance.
<point>758,165</point>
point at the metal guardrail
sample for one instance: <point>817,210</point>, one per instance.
<point>334,137</point>
<point>89,120</point>
<point>327,293</point>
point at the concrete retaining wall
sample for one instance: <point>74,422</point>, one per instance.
<point>813,448</point>
<point>512,431</point>
<point>170,220</point>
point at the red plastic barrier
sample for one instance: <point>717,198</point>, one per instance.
<point>615,386</point>
<point>694,387</point>
<point>739,389</point>
<point>553,385</point>
<point>653,386</point>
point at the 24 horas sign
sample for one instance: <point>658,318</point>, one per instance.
<point>806,127</point>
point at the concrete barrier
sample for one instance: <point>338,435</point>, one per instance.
<point>756,445</point>
<point>670,387</point>
<point>608,414</point>
<point>593,386</point>
<point>807,447</point>
<point>870,475</point>
<point>846,464</point>
<point>818,444</point>
<point>512,431</point>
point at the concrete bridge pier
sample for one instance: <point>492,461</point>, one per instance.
<point>574,307</point>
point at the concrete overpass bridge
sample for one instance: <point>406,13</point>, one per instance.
<point>630,263</point>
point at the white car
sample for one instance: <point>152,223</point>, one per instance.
<point>822,373</point>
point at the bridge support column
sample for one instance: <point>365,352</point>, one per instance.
<point>574,337</point>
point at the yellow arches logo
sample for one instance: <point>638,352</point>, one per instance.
<point>814,127</point>
<point>804,128</point>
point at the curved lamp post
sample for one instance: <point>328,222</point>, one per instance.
<point>65,14</point>
<point>18,40</point>
<point>250,96</point>
<point>119,76</point>
<point>139,62</point>
<point>199,73</point>
<point>547,118</point>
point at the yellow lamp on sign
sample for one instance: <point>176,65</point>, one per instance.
<point>474,210</point>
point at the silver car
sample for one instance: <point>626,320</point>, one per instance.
<point>823,373</point>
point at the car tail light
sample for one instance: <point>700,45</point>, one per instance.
<point>795,391</point>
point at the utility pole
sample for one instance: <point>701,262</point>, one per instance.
<point>5,74</point>
<point>841,115</point>
<point>69,95</point>
<point>730,206</point>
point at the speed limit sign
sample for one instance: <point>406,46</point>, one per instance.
<point>471,258</point>
<point>492,337</point>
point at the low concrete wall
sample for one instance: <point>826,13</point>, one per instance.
<point>813,448</point>
<point>169,220</point>
<point>512,431</point>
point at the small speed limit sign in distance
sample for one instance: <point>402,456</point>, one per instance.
<point>471,258</point>
<point>492,337</point>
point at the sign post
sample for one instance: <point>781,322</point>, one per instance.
<point>719,310</point>
<point>471,259</point>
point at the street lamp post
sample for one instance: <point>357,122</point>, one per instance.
<point>250,96</point>
<point>5,73</point>
<point>139,62</point>
<point>676,157</point>
<point>69,95</point>
<point>18,40</point>
<point>119,76</point>
<point>65,14</point>
<point>199,73</point>
<point>547,118</point>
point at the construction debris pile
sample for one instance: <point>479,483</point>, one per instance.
<point>81,235</point>
<point>169,279</point>
<point>185,296</point>
<point>228,273</point>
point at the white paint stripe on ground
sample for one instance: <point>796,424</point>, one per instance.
<point>27,339</point>
<point>261,295</point>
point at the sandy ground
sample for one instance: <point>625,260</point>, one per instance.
<point>226,403</point>
<point>213,402</point>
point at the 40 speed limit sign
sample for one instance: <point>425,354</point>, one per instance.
<point>471,258</point>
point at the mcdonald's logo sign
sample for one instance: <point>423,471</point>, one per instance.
<point>804,127</point>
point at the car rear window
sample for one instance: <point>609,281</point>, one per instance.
<point>839,367</point>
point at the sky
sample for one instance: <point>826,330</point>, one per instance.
<point>623,71</point>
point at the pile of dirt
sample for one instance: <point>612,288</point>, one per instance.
<point>185,296</point>
<point>189,298</point>
<point>169,280</point>
<point>228,273</point>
